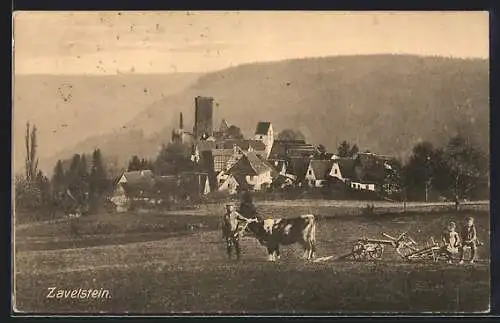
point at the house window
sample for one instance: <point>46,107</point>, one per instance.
<point>335,171</point>
<point>310,172</point>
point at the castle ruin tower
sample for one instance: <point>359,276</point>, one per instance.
<point>203,116</point>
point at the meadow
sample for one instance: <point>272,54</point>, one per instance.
<point>156,263</point>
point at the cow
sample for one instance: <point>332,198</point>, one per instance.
<point>272,233</point>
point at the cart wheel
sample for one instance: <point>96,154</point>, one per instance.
<point>377,252</point>
<point>358,251</point>
<point>404,252</point>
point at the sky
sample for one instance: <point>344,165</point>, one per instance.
<point>165,42</point>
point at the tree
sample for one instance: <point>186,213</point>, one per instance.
<point>59,181</point>
<point>321,152</point>
<point>393,180</point>
<point>59,185</point>
<point>58,177</point>
<point>467,166</point>
<point>134,164</point>
<point>344,149</point>
<point>31,163</point>
<point>45,195</point>
<point>354,150</point>
<point>233,132</point>
<point>419,171</point>
<point>146,164</point>
<point>174,159</point>
<point>426,170</point>
<point>98,183</point>
<point>33,191</point>
<point>78,181</point>
<point>290,135</point>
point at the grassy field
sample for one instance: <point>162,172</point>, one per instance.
<point>153,263</point>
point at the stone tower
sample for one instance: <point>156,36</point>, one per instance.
<point>203,116</point>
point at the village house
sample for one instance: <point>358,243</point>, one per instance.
<point>341,170</point>
<point>143,187</point>
<point>317,171</point>
<point>132,186</point>
<point>251,171</point>
<point>371,170</point>
<point>229,162</point>
<point>362,186</point>
<point>297,166</point>
<point>347,170</point>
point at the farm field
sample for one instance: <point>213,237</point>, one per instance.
<point>160,265</point>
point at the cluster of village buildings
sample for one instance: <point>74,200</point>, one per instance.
<point>259,163</point>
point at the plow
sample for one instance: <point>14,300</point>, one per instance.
<point>365,249</point>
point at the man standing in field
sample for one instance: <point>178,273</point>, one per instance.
<point>451,241</point>
<point>469,239</point>
<point>232,229</point>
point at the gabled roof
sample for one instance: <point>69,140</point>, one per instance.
<point>139,176</point>
<point>321,168</point>
<point>298,166</point>
<point>346,166</point>
<point>250,164</point>
<point>262,128</point>
<point>141,188</point>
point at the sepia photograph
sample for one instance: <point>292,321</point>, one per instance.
<point>250,162</point>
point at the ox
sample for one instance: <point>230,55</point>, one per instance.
<point>272,233</point>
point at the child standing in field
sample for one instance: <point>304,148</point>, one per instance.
<point>469,239</point>
<point>451,241</point>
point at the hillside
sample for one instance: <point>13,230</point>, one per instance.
<point>385,103</point>
<point>69,108</point>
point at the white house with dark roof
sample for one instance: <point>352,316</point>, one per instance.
<point>251,171</point>
<point>264,132</point>
<point>132,185</point>
<point>317,171</point>
<point>344,169</point>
